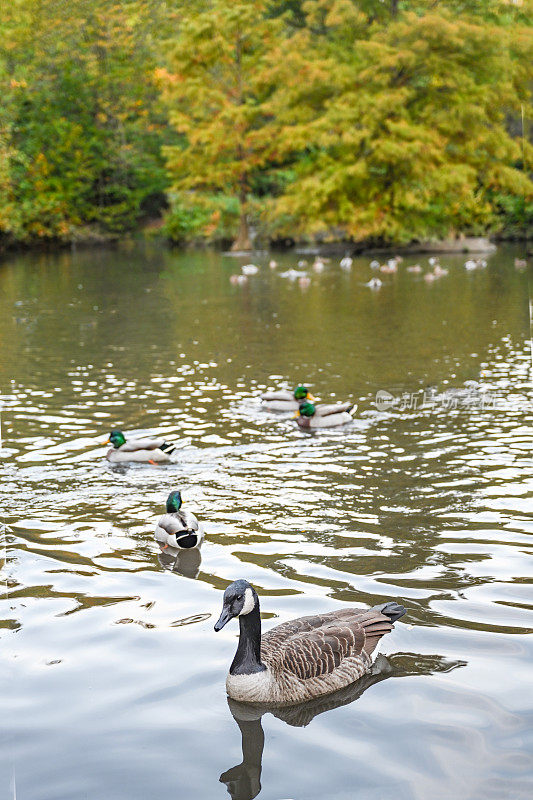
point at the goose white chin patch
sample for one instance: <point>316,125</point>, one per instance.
<point>248,602</point>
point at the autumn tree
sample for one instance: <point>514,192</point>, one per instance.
<point>218,89</point>
<point>80,123</point>
<point>411,137</point>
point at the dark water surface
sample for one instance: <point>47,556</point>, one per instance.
<point>111,677</point>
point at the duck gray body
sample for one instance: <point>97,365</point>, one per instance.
<point>281,400</point>
<point>304,658</point>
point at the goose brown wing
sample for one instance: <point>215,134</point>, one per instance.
<point>317,645</point>
<point>334,408</point>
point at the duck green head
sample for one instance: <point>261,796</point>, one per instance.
<point>302,393</point>
<point>174,502</point>
<point>117,439</point>
<point>306,409</point>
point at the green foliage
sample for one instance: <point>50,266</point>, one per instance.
<point>382,120</point>
<point>81,124</point>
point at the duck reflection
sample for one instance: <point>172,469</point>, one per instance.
<point>184,562</point>
<point>244,780</point>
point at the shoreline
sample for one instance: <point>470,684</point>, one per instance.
<point>462,245</point>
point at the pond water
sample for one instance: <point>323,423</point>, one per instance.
<point>111,676</point>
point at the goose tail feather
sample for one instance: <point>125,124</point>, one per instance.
<point>391,610</point>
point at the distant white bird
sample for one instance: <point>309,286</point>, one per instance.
<point>292,274</point>
<point>318,265</point>
<point>433,261</point>
<point>346,262</point>
<point>416,268</point>
<point>392,264</point>
<point>238,280</point>
<point>304,282</point>
<point>302,262</point>
<point>439,272</point>
<point>249,269</point>
<point>429,277</point>
<point>520,263</point>
<point>470,264</point>
<point>374,264</point>
<point>272,264</point>
<point>374,283</point>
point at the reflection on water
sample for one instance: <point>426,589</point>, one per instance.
<point>111,679</point>
<point>244,780</point>
<point>184,562</point>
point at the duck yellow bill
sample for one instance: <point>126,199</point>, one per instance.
<point>297,413</point>
<point>107,441</point>
<point>310,396</point>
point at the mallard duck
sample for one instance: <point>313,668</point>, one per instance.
<point>177,528</point>
<point>145,450</point>
<point>283,400</point>
<point>327,416</point>
<point>304,658</point>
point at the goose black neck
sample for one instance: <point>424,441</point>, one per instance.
<point>248,656</point>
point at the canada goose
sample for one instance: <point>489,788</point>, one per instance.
<point>326,416</point>
<point>283,400</point>
<point>145,450</point>
<point>178,528</point>
<point>304,658</point>
<point>249,269</point>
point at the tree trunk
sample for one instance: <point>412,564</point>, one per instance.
<point>242,242</point>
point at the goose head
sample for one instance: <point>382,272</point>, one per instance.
<point>174,502</point>
<point>116,438</point>
<point>302,393</point>
<point>306,409</point>
<point>240,599</point>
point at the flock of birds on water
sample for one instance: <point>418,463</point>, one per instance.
<point>295,661</point>
<point>433,272</point>
<point>307,657</point>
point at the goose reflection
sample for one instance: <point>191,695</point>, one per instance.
<point>184,562</point>
<point>243,781</point>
